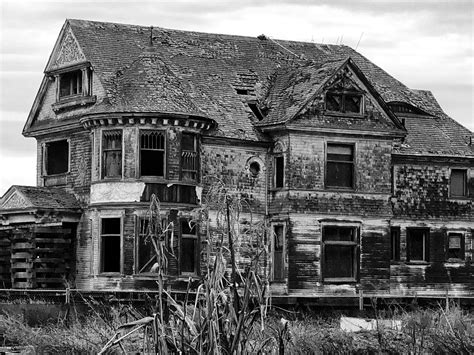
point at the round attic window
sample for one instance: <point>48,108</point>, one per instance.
<point>254,169</point>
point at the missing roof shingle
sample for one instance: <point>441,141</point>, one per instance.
<point>242,91</point>
<point>256,111</point>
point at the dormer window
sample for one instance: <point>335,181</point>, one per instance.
<point>344,102</point>
<point>70,84</point>
<point>73,87</point>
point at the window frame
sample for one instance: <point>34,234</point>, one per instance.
<point>196,158</point>
<point>355,244</point>
<point>343,94</point>
<point>77,78</point>
<point>196,239</point>
<point>102,154</point>
<point>101,247</point>
<point>462,248</point>
<point>272,245</point>
<point>164,150</point>
<point>464,172</point>
<point>426,244</point>
<point>275,171</point>
<point>395,233</point>
<point>353,147</point>
<point>45,150</point>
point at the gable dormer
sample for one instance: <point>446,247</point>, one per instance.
<point>71,73</point>
<point>344,95</point>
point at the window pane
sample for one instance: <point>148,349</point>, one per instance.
<point>352,103</point>
<point>346,234</point>
<point>188,255</point>
<point>333,102</point>
<point>57,157</point>
<point>111,226</point>
<point>338,261</point>
<point>146,254</point>
<point>113,163</point>
<point>455,246</point>
<point>152,163</point>
<point>458,183</point>
<point>187,229</point>
<point>112,140</point>
<point>70,83</point>
<point>187,142</point>
<point>340,152</point>
<point>417,245</point>
<point>394,244</point>
<point>110,253</point>
<point>339,174</point>
<point>279,171</point>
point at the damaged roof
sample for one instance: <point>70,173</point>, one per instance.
<point>20,197</point>
<point>216,76</point>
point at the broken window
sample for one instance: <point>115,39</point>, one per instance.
<point>189,157</point>
<point>418,244</point>
<point>145,250</point>
<point>455,246</point>
<point>340,165</point>
<point>189,253</point>
<point>110,245</point>
<point>70,83</point>
<point>344,102</point>
<point>152,153</point>
<point>395,243</point>
<point>340,253</point>
<point>279,177</point>
<point>112,154</point>
<point>458,186</point>
<point>56,157</point>
<point>278,240</point>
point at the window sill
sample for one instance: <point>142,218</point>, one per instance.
<point>459,198</point>
<point>339,189</point>
<point>109,274</point>
<point>339,280</point>
<point>73,101</point>
<point>455,261</point>
<point>417,263</point>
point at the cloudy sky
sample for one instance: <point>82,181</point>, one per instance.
<point>426,44</point>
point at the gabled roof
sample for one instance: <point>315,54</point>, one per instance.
<point>30,197</point>
<point>294,91</point>
<point>211,75</point>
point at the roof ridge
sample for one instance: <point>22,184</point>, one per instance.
<point>205,33</point>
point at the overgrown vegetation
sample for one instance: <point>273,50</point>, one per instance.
<point>228,311</point>
<point>423,331</point>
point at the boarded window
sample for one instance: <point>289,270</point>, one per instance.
<point>110,248</point>
<point>279,171</point>
<point>340,253</point>
<point>189,157</point>
<point>418,244</point>
<point>340,165</point>
<point>189,256</point>
<point>455,246</point>
<point>278,253</point>
<point>458,186</point>
<point>57,157</point>
<point>395,243</point>
<point>152,153</point>
<point>70,84</point>
<point>112,154</point>
<point>344,102</point>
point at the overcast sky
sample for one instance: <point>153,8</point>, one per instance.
<point>426,44</point>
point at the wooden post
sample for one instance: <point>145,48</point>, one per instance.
<point>361,300</point>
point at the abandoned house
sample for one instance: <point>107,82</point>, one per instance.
<point>363,183</point>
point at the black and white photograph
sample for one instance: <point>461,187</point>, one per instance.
<point>250,177</point>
